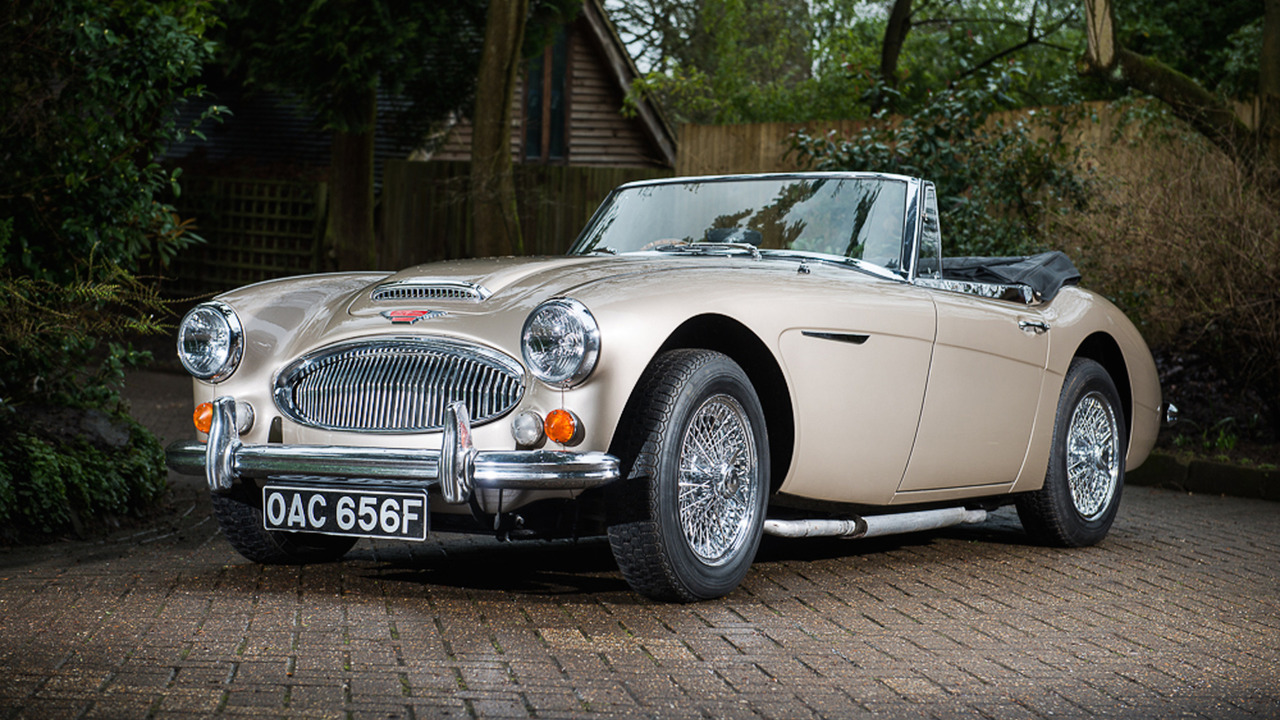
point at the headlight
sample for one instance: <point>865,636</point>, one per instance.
<point>211,341</point>
<point>560,342</point>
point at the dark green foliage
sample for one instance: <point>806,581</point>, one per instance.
<point>89,100</point>
<point>50,484</point>
<point>329,53</point>
<point>1215,43</point>
<point>998,180</point>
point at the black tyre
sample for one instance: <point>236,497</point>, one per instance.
<point>1085,478</point>
<point>686,520</point>
<point>239,514</point>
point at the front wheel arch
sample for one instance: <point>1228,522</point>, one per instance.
<point>730,337</point>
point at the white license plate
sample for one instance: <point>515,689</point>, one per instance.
<point>360,513</point>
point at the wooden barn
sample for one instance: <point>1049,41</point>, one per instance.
<point>571,142</point>
<point>570,106</point>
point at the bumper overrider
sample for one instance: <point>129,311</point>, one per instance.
<point>457,467</point>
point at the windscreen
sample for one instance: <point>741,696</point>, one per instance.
<point>859,218</point>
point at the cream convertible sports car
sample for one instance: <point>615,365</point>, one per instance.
<point>714,359</point>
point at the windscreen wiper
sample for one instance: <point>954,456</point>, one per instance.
<point>855,263</point>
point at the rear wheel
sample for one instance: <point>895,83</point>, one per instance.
<point>239,514</point>
<point>1085,477</point>
<point>686,521</point>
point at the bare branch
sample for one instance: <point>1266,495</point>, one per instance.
<point>1032,39</point>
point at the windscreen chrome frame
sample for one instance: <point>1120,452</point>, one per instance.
<point>911,228</point>
<point>910,225</point>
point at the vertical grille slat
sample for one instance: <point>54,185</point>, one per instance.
<point>398,385</point>
<point>429,289</point>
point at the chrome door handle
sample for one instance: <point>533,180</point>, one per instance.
<point>1038,326</point>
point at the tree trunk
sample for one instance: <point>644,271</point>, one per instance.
<point>350,225</point>
<point>1207,113</point>
<point>495,224</point>
<point>895,36</point>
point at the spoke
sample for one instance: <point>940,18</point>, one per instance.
<point>1092,455</point>
<point>716,493</point>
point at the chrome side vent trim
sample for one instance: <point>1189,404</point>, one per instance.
<point>429,289</point>
<point>398,385</point>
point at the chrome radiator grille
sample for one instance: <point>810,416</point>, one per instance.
<point>397,385</point>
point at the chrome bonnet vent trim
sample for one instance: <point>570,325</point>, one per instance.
<point>429,289</point>
<point>397,385</point>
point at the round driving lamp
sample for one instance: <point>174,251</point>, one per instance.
<point>560,342</point>
<point>526,428</point>
<point>211,341</point>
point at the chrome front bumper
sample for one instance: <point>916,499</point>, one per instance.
<point>457,467</point>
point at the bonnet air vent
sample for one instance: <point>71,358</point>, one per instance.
<point>429,289</point>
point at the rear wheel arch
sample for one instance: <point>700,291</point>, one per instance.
<point>730,337</point>
<point>1104,350</point>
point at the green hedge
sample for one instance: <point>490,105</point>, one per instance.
<point>52,485</point>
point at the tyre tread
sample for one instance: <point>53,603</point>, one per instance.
<point>1047,514</point>
<point>241,523</point>
<point>637,544</point>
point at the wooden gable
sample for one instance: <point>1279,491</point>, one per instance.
<point>597,74</point>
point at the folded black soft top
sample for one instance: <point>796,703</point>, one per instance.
<point>1044,273</point>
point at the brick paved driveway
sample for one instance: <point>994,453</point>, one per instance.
<point>1177,614</point>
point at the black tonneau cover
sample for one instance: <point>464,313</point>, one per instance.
<point>1044,273</point>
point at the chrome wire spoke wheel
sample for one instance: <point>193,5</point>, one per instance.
<point>718,484</point>
<point>686,520</point>
<point>1093,455</point>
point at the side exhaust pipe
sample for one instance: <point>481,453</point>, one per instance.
<point>875,525</point>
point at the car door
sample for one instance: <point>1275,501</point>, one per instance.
<point>983,391</point>
<point>858,366</point>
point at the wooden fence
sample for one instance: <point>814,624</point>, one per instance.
<point>262,229</point>
<point>765,147</point>
<point>426,210</point>
<point>254,230</point>
<point>757,147</point>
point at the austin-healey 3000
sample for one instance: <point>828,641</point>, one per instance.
<point>713,360</point>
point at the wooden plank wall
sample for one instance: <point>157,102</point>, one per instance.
<point>598,133</point>
<point>425,212</point>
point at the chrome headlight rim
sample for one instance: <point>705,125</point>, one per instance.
<point>589,353</point>
<point>227,365</point>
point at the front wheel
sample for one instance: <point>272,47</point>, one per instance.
<point>686,521</point>
<point>239,515</point>
<point>1083,483</point>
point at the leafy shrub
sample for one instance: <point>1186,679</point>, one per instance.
<point>89,100</point>
<point>50,483</point>
<point>999,180</point>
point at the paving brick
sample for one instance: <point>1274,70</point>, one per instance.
<point>1177,613</point>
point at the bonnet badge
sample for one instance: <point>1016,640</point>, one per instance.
<point>409,317</point>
